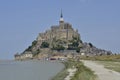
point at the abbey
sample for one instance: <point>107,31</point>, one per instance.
<point>63,31</point>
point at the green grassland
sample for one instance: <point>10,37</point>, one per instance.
<point>83,73</point>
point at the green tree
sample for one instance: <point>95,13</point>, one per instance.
<point>75,44</point>
<point>78,49</point>
<point>29,48</point>
<point>36,52</point>
<point>91,45</point>
<point>34,43</point>
<point>44,45</point>
<point>58,47</point>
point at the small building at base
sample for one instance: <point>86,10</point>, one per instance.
<point>25,56</point>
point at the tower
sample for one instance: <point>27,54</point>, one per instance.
<point>61,22</point>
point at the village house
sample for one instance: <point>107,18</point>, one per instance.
<point>27,55</point>
<point>59,57</point>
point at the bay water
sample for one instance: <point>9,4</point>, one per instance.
<point>29,70</point>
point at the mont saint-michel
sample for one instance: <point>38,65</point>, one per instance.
<point>61,41</point>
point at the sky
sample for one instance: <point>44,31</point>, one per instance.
<point>98,22</point>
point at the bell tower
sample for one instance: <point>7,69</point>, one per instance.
<point>61,22</point>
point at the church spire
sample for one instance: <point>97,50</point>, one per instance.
<point>61,17</point>
<point>61,22</point>
<point>61,14</point>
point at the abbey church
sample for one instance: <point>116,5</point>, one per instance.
<point>63,31</point>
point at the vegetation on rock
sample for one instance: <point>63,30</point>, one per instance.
<point>58,47</point>
<point>35,53</point>
<point>30,47</point>
<point>44,45</point>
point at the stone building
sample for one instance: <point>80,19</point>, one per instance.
<point>63,31</point>
<point>25,56</point>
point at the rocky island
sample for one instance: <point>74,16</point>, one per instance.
<point>61,42</point>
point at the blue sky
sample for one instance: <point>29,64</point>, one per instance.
<point>98,22</point>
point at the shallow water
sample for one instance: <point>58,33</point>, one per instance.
<point>29,70</point>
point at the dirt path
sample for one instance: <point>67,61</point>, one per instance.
<point>71,73</point>
<point>101,72</point>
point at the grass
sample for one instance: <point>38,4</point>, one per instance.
<point>109,61</point>
<point>103,58</point>
<point>82,73</point>
<point>111,65</point>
